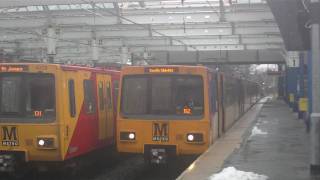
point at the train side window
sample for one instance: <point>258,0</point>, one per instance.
<point>89,97</point>
<point>72,98</point>
<point>116,88</point>
<point>213,95</point>
<point>101,98</point>
<point>109,98</point>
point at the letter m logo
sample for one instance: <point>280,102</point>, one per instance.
<point>9,133</point>
<point>160,131</point>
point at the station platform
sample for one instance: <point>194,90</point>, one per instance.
<point>268,142</point>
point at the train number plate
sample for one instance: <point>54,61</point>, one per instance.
<point>160,131</point>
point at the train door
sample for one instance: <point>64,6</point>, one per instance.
<point>110,111</point>
<point>220,105</point>
<point>102,107</point>
<point>70,110</point>
<point>115,93</point>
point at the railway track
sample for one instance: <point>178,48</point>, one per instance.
<point>120,167</point>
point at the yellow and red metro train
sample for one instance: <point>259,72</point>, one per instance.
<point>53,114</point>
<point>169,111</point>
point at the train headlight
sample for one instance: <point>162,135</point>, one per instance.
<point>127,136</point>
<point>132,136</point>
<point>41,142</point>
<point>190,137</point>
<point>195,137</point>
<point>46,143</point>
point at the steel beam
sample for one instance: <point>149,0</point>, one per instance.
<point>105,18</point>
<point>19,3</point>
<point>258,42</point>
<point>176,30</point>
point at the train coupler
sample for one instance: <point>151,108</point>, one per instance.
<point>7,163</point>
<point>158,156</point>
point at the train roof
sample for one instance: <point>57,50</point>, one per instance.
<point>69,67</point>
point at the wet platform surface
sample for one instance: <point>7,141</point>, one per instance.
<point>278,147</point>
<point>275,144</point>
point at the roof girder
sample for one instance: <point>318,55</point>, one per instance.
<point>19,3</point>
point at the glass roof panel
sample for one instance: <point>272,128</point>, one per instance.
<point>187,3</point>
<point>129,5</point>
<point>23,9</point>
<point>139,5</point>
<point>86,6</point>
<point>108,5</point>
<point>53,7</point>
<point>40,8</point>
<point>64,7</point>
<point>75,6</point>
<point>250,1</point>
<point>12,10</point>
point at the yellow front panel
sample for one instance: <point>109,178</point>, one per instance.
<point>177,129</point>
<point>177,135</point>
<point>23,136</point>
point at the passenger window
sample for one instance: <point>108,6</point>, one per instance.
<point>116,89</point>
<point>72,99</point>
<point>89,98</point>
<point>213,95</point>
<point>109,96</point>
<point>101,98</point>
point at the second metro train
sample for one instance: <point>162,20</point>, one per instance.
<point>53,115</point>
<point>169,111</point>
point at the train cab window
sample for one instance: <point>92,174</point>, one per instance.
<point>134,99</point>
<point>101,97</point>
<point>189,96</point>
<point>89,97</point>
<point>27,97</point>
<point>11,94</point>
<point>72,98</point>
<point>163,97</point>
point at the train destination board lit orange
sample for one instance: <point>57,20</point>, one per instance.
<point>13,68</point>
<point>161,70</point>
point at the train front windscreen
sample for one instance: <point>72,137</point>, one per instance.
<point>27,97</point>
<point>162,97</point>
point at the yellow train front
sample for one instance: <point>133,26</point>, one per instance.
<point>52,114</point>
<point>166,111</point>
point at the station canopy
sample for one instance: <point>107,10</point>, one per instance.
<point>171,31</point>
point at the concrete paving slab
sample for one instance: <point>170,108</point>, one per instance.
<point>213,159</point>
<point>282,153</point>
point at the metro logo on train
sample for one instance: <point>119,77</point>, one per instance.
<point>160,132</point>
<point>9,136</point>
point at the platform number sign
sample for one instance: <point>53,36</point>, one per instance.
<point>9,136</point>
<point>160,132</point>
